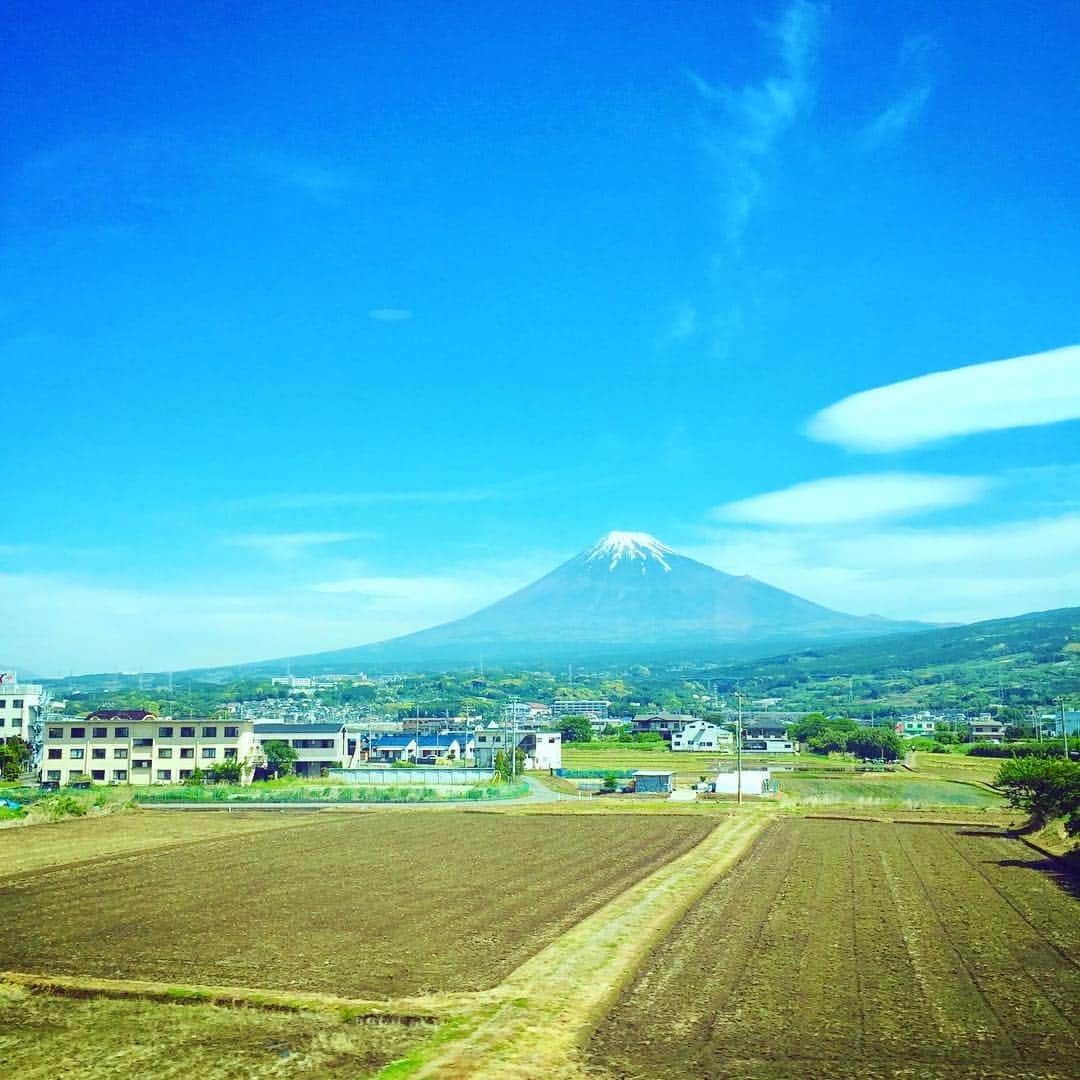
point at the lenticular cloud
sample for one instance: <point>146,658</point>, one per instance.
<point>1043,388</point>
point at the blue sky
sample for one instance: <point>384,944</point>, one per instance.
<point>317,326</point>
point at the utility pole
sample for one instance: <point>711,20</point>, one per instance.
<point>1064,729</point>
<point>738,750</point>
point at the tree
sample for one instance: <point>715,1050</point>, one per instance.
<point>876,743</point>
<point>1046,788</point>
<point>229,771</point>
<point>280,758</point>
<point>15,755</point>
<point>576,729</point>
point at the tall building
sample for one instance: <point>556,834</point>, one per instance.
<point>21,709</point>
<point>594,710</point>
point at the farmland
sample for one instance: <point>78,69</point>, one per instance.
<point>389,903</point>
<point>887,791</point>
<point>843,948</point>
<point>45,1037</point>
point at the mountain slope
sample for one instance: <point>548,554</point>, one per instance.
<point>629,595</point>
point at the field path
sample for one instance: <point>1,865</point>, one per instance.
<point>543,1012</point>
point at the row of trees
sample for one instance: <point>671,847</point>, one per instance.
<point>826,735</point>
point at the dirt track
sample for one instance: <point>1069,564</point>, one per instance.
<point>841,948</point>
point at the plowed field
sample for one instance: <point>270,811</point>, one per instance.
<point>368,904</point>
<point>843,949</point>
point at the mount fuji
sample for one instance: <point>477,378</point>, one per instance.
<point>627,598</point>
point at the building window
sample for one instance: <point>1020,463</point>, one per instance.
<point>98,774</point>
<point>78,754</point>
<point>56,733</point>
<point>164,732</point>
<point>120,732</point>
<point>16,703</point>
<point>143,742</point>
<point>120,753</point>
<point>3,703</point>
<point>164,751</point>
<point>119,775</point>
<point>209,732</point>
<point>187,733</point>
<point>140,763</point>
<point>78,733</point>
<point>164,774</point>
<point>100,733</point>
<point>185,774</point>
<point>53,774</point>
<point>98,752</point>
<point>55,753</point>
<point>230,751</point>
<point>187,751</point>
<point>232,733</point>
<point>209,752</point>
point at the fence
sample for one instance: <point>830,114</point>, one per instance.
<point>434,776</point>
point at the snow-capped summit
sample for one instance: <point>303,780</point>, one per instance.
<point>628,597</point>
<point>630,545</point>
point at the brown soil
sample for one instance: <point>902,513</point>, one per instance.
<point>378,904</point>
<point>851,948</point>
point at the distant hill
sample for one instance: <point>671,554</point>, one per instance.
<point>1025,658</point>
<point>628,597</point>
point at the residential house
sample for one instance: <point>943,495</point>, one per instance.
<point>393,748</point>
<point>666,724</point>
<point>433,748</point>
<point>317,746</point>
<point>986,729</point>
<point>704,736</point>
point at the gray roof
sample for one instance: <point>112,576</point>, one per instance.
<point>298,729</point>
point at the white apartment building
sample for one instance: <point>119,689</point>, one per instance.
<point>19,706</point>
<point>595,710</point>
<point>704,736</point>
<point>132,746</point>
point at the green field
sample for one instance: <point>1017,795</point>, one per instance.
<point>688,767</point>
<point>887,791</point>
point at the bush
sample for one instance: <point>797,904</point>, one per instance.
<point>1046,788</point>
<point>1028,748</point>
<point>57,807</point>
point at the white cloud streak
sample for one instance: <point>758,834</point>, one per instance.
<point>840,500</point>
<point>290,545</point>
<point>1025,391</point>
<point>957,574</point>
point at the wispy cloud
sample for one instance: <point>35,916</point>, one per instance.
<point>746,122</point>
<point>847,499</point>
<point>390,314</point>
<point>914,68</point>
<point>1043,388</point>
<point>952,574</point>
<point>284,546</point>
<point>307,500</point>
<point>898,115</point>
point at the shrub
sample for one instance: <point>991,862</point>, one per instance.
<point>1046,788</point>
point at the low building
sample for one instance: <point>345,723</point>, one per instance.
<point>702,736</point>
<point>986,729</point>
<point>918,725</point>
<point>317,746</point>
<point>433,748</point>
<point>665,724</point>
<point>132,746</point>
<point>768,746</point>
<point>393,748</point>
<point>652,782</point>
<point>543,749</point>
